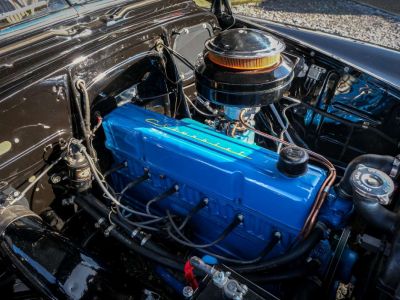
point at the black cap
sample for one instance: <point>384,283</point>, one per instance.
<point>244,43</point>
<point>293,161</point>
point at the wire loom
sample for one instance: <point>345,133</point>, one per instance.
<point>208,164</point>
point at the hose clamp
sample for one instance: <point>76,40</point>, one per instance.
<point>394,172</point>
<point>108,230</point>
<point>99,222</point>
<point>135,232</point>
<point>145,239</point>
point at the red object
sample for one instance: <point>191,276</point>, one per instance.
<point>189,275</point>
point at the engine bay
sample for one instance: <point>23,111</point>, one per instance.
<point>230,164</point>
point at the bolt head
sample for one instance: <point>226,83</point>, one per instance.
<point>55,179</point>
<point>187,292</point>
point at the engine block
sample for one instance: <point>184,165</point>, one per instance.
<point>235,177</point>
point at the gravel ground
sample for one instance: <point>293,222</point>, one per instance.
<point>341,17</point>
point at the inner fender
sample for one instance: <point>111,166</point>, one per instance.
<point>49,262</point>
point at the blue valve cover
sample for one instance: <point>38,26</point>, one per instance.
<point>235,177</point>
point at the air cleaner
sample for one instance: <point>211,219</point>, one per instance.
<point>243,68</point>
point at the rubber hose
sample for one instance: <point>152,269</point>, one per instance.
<point>167,262</point>
<point>380,162</point>
<point>389,279</point>
<point>377,215</point>
<point>374,213</point>
<point>302,249</point>
<point>131,244</point>
<point>291,274</point>
<point>89,200</point>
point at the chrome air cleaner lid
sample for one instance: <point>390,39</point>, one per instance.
<point>244,43</point>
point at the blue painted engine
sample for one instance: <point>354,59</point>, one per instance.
<point>237,179</point>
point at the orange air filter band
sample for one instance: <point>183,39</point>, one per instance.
<point>246,64</point>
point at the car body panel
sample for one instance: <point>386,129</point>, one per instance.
<point>37,78</point>
<point>379,62</point>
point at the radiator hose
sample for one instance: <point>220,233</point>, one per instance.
<point>388,164</point>
<point>377,215</point>
<point>389,279</point>
<point>369,181</point>
<point>49,262</point>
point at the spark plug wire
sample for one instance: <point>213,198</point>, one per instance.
<point>325,187</point>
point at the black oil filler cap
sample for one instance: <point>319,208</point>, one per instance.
<point>293,161</point>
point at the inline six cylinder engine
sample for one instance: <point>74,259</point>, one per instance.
<point>191,162</point>
<point>237,195</point>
